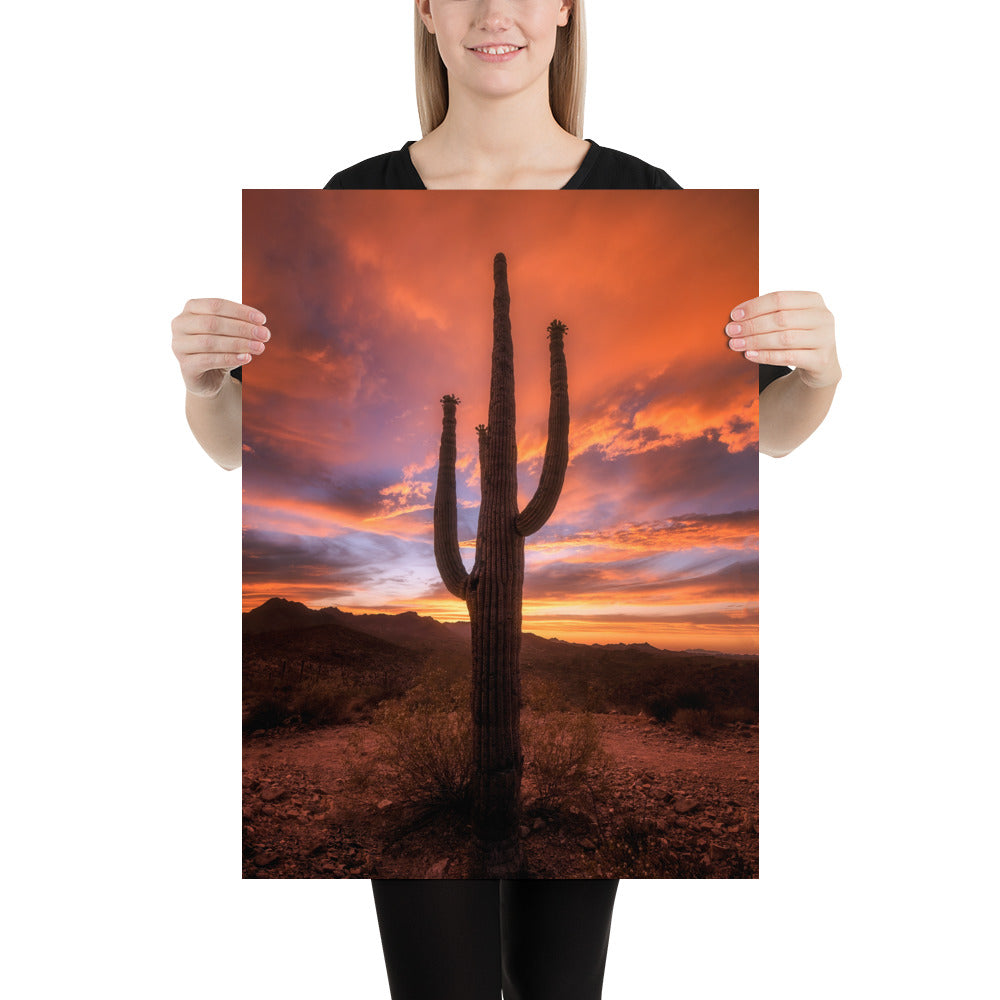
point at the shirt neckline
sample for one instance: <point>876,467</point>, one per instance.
<point>575,181</point>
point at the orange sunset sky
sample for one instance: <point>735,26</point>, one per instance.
<point>380,303</point>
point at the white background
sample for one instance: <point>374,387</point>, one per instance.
<point>131,130</point>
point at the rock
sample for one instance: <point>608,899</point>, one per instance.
<point>683,806</point>
<point>660,794</point>
<point>588,845</point>
<point>266,858</point>
<point>385,803</point>
<point>539,823</point>
<point>273,793</point>
<point>437,870</point>
<point>524,831</point>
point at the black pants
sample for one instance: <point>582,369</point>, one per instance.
<point>462,939</point>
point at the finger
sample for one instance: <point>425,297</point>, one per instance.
<point>777,302</point>
<point>781,340</point>
<point>206,344</point>
<point>192,324</point>
<point>199,363</point>
<point>783,320</point>
<point>793,359</point>
<point>223,307</point>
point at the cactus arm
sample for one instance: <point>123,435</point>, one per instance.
<point>538,511</point>
<point>446,550</point>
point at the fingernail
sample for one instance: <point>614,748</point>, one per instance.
<point>738,313</point>
<point>751,354</point>
<point>734,329</point>
<point>257,348</point>
<point>243,358</point>
<point>259,317</point>
<point>738,344</point>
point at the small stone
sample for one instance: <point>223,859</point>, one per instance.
<point>273,793</point>
<point>685,805</point>
<point>524,831</point>
<point>437,870</point>
<point>266,858</point>
<point>539,823</point>
<point>385,803</point>
<point>588,845</point>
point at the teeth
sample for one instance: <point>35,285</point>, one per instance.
<point>498,50</point>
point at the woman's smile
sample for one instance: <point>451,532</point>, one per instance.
<point>495,53</point>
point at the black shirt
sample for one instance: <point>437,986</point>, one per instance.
<point>602,169</point>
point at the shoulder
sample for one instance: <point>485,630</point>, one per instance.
<point>612,169</point>
<point>385,171</point>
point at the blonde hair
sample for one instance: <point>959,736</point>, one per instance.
<point>567,74</point>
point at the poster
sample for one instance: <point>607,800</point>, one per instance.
<point>500,536</point>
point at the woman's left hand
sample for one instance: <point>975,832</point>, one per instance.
<point>788,328</point>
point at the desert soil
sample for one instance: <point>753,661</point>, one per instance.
<point>674,805</point>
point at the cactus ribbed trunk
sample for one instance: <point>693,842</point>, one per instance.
<point>493,589</point>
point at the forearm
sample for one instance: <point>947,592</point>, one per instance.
<point>790,410</point>
<point>217,423</point>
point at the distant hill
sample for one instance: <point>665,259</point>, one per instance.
<point>406,629</point>
<point>318,641</point>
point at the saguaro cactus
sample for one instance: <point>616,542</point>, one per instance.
<point>493,589</point>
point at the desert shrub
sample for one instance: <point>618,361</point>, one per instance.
<point>675,705</point>
<point>264,711</point>
<point>563,755</point>
<point>424,740</point>
<point>696,721</point>
<point>317,702</point>
<point>661,707</point>
<point>736,713</point>
<point>325,702</point>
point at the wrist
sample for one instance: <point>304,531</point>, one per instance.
<point>826,379</point>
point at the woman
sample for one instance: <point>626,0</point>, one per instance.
<point>500,93</point>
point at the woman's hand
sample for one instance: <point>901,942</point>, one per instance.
<point>788,328</point>
<point>213,336</point>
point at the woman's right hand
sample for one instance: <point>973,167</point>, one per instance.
<point>213,336</point>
